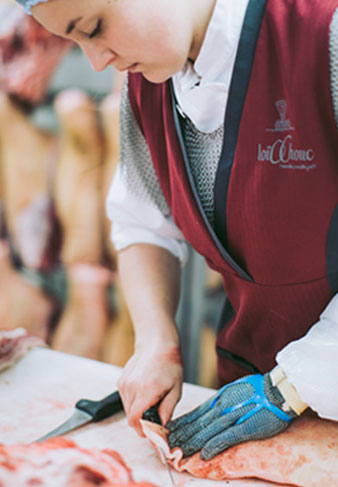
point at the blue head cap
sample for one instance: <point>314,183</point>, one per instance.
<point>28,4</point>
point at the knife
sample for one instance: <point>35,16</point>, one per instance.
<point>85,412</point>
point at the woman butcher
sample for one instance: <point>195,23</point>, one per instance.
<point>228,141</point>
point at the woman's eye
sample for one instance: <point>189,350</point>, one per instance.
<point>97,30</point>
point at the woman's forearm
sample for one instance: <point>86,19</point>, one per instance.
<point>150,279</point>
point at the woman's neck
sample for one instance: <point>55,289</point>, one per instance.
<point>202,11</point>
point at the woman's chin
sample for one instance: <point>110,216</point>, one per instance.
<point>157,76</point>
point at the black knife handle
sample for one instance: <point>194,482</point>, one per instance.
<point>152,415</point>
<point>102,409</point>
<point>110,405</point>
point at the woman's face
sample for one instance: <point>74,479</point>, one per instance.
<point>154,37</point>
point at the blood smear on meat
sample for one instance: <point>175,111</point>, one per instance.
<point>60,462</point>
<point>304,455</point>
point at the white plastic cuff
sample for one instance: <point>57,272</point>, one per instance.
<point>287,390</point>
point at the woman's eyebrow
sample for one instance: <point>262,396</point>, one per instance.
<point>72,24</point>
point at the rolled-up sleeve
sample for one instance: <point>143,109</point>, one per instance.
<point>137,221</point>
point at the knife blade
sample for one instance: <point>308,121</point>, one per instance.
<point>86,411</point>
<point>164,460</point>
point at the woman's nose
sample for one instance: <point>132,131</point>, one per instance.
<point>99,57</point>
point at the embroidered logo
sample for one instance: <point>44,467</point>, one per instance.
<point>281,152</point>
<point>282,124</point>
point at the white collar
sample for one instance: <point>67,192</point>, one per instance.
<point>223,31</point>
<point>206,83</point>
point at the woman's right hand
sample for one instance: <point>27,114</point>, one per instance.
<point>153,375</point>
<point>150,278</point>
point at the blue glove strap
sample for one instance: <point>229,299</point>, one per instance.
<point>259,399</point>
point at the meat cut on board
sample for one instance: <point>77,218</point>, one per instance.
<point>304,455</point>
<point>30,407</point>
<point>59,462</point>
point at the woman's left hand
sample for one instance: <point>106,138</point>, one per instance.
<point>247,409</point>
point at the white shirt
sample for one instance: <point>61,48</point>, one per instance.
<point>202,89</point>
<point>311,363</point>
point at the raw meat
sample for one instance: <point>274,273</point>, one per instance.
<point>23,303</point>
<point>29,54</point>
<point>60,462</point>
<point>2,210</point>
<point>13,345</point>
<point>77,191</point>
<point>83,324</point>
<point>77,183</point>
<point>26,178</point>
<point>305,455</point>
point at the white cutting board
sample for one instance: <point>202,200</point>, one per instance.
<point>39,393</point>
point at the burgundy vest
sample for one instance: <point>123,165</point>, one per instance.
<point>275,239</point>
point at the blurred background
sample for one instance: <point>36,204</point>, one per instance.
<point>59,147</point>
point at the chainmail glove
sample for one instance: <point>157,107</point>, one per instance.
<point>247,409</point>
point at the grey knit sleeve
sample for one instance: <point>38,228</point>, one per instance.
<point>137,170</point>
<point>333,50</point>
